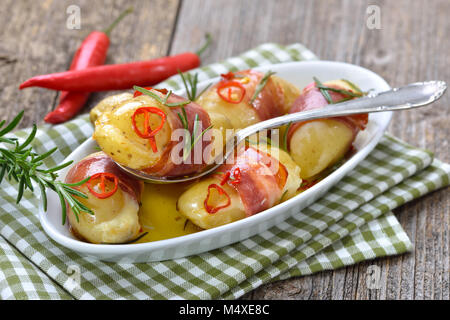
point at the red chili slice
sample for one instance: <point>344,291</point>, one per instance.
<point>211,209</point>
<point>236,176</point>
<point>225,178</point>
<point>228,76</point>
<point>103,176</point>
<point>228,86</point>
<point>148,133</point>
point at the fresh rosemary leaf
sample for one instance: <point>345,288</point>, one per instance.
<point>261,85</point>
<point>282,196</point>
<point>29,139</point>
<point>79,183</point>
<point>44,155</point>
<point>20,190</point>
<point>324,92</point>
<point>2,172</point>
<point>353,86</point>
<point>285,137</point>
<point>194,141</point>
<point>57,168</point>
<point>158,98</point>
<point>12,124</point>
<point>341,91</point>
<point>190,85</point>
<point>22,164</point>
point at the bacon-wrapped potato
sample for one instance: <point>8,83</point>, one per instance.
<point>259,178</point>
<point>316,145</point>
<point>232,97</point>
<point>137,133</point>
<point>113,196</point>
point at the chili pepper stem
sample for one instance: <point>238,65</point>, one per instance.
<point>108,30</point>
<point>208,38</point>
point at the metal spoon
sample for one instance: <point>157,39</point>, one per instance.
<point>411,96</point>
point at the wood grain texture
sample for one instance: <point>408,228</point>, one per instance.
<point>39,42</point>
<point>412,45</point>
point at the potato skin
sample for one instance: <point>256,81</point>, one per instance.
<point>191,205</point>
<point>107,104</point>
<point>318,144</point>
<point>289,91</point>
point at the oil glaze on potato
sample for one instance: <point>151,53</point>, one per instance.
<point>107,104</point>
<point>316,145</point>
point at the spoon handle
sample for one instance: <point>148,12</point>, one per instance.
<point>411,96</point>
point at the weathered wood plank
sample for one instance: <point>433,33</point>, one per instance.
<point>411,45</point>
<point>34,40</point>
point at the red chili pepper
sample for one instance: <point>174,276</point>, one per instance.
<point>210,209</point>
<point>103,176</point>
<point>92,52</point>
<point>227,86</point>
<point>148,133</point>
<point>117,76</point>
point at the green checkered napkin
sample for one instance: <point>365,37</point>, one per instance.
<point>351,223</point>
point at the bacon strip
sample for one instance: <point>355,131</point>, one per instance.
<point>165,166</point>
<point>262,179</point>
<point>100,162</point>
<point>311,98</point>
<point>270,101</point>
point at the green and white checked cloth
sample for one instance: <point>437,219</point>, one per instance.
<point>351,223</point>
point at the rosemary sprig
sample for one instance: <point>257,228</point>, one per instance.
<point>261,85</point>
<point>282,196</point>
<point>353,86</point>
<point>350,94</point>
<point>285,137</point>
<point>341,91</point>
<point>21,164</point>
<point>163,101</point>
<point>324,92</point>
<point>208,40</point>
<point>190,83</point>
<point>189,143</point>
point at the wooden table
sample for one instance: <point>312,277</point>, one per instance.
<point>412,44</point>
